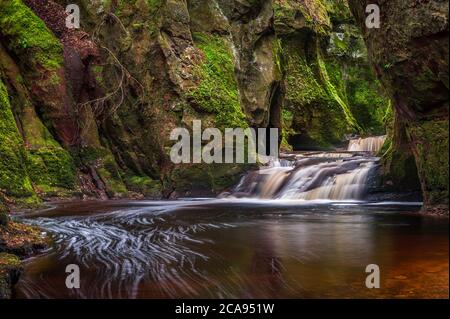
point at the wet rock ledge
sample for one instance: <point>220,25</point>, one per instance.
<point>17,241</point>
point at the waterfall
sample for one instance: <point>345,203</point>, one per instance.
<point>315,175</point>
<point>370,144</point>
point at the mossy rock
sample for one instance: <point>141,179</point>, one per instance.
<point>217,89</point>
<point>109,172</point>
<point>430,138</point>
<point>14,179</point>
<point>206,180</point>
<point>51,168</point>
<point>399,172</point>
<point>320,115</point>
<point>8,260</point>
<point>410,54</point>
<point>10,270</point>
<point>144,185</point>
<point>349,71</point>
<point>22,240</point>
<point>292,16</point>
<point>26,34</point>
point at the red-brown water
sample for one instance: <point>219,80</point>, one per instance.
<point>238,249</point>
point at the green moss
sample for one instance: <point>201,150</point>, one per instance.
<point>204,179</point>
<point>399,169</point>
<point>333,92</point>
<point>7,265</point>
<point>105,164</point>
<point>90,155</point>
<point>27,34</point>
<point>302,85</point>
<point>8,260</point>
<point>338,10</point>
<point>314,13</point>
<point>110,174</point>
<point>330,88</point>
<point>347,42</point>
<point>287,118</point>
<point>51,167</point>
<point>48,165</point>
<point>117,182</point>
<point>114,186</point>
<point>188,178</point>
<point>225,176</point>
<point>318,119</point>
<point>350,73</point>
<point>148,16</point>
<point>39,55</point>
<point>144,185</point>
<point>217,91</point>
<point>98,74</point>
<point>431,151</point>
<point>361,91</point>
<point>14,180</point>
<point>278,55</point>
<point>9,271</point>
<point>154,4</point>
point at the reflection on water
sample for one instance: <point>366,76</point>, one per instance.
<point>238,249</point>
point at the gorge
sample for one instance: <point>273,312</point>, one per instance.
<point>86,177</point>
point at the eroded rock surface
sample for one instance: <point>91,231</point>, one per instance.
<point>90,111</point>
<point>410,55</point>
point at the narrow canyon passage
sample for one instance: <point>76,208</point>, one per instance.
<point>94,94</point>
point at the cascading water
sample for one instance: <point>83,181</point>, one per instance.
<point>370,144</point>
<point>316,176</point>
<point>214,248</point>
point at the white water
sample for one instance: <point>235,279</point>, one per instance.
<point>370,144</point>
<point>310,178</point>
<point>315,176</point>
<point>181,249</point>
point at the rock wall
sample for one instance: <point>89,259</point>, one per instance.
<point>330,88</point>
<point>89,112</point>
<point>410,53</point>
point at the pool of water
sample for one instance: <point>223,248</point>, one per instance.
<point>238,249</point>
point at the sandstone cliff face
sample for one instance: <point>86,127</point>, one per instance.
<point>410,56</point>
<point>330,89</point>
<point>89,112</point>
